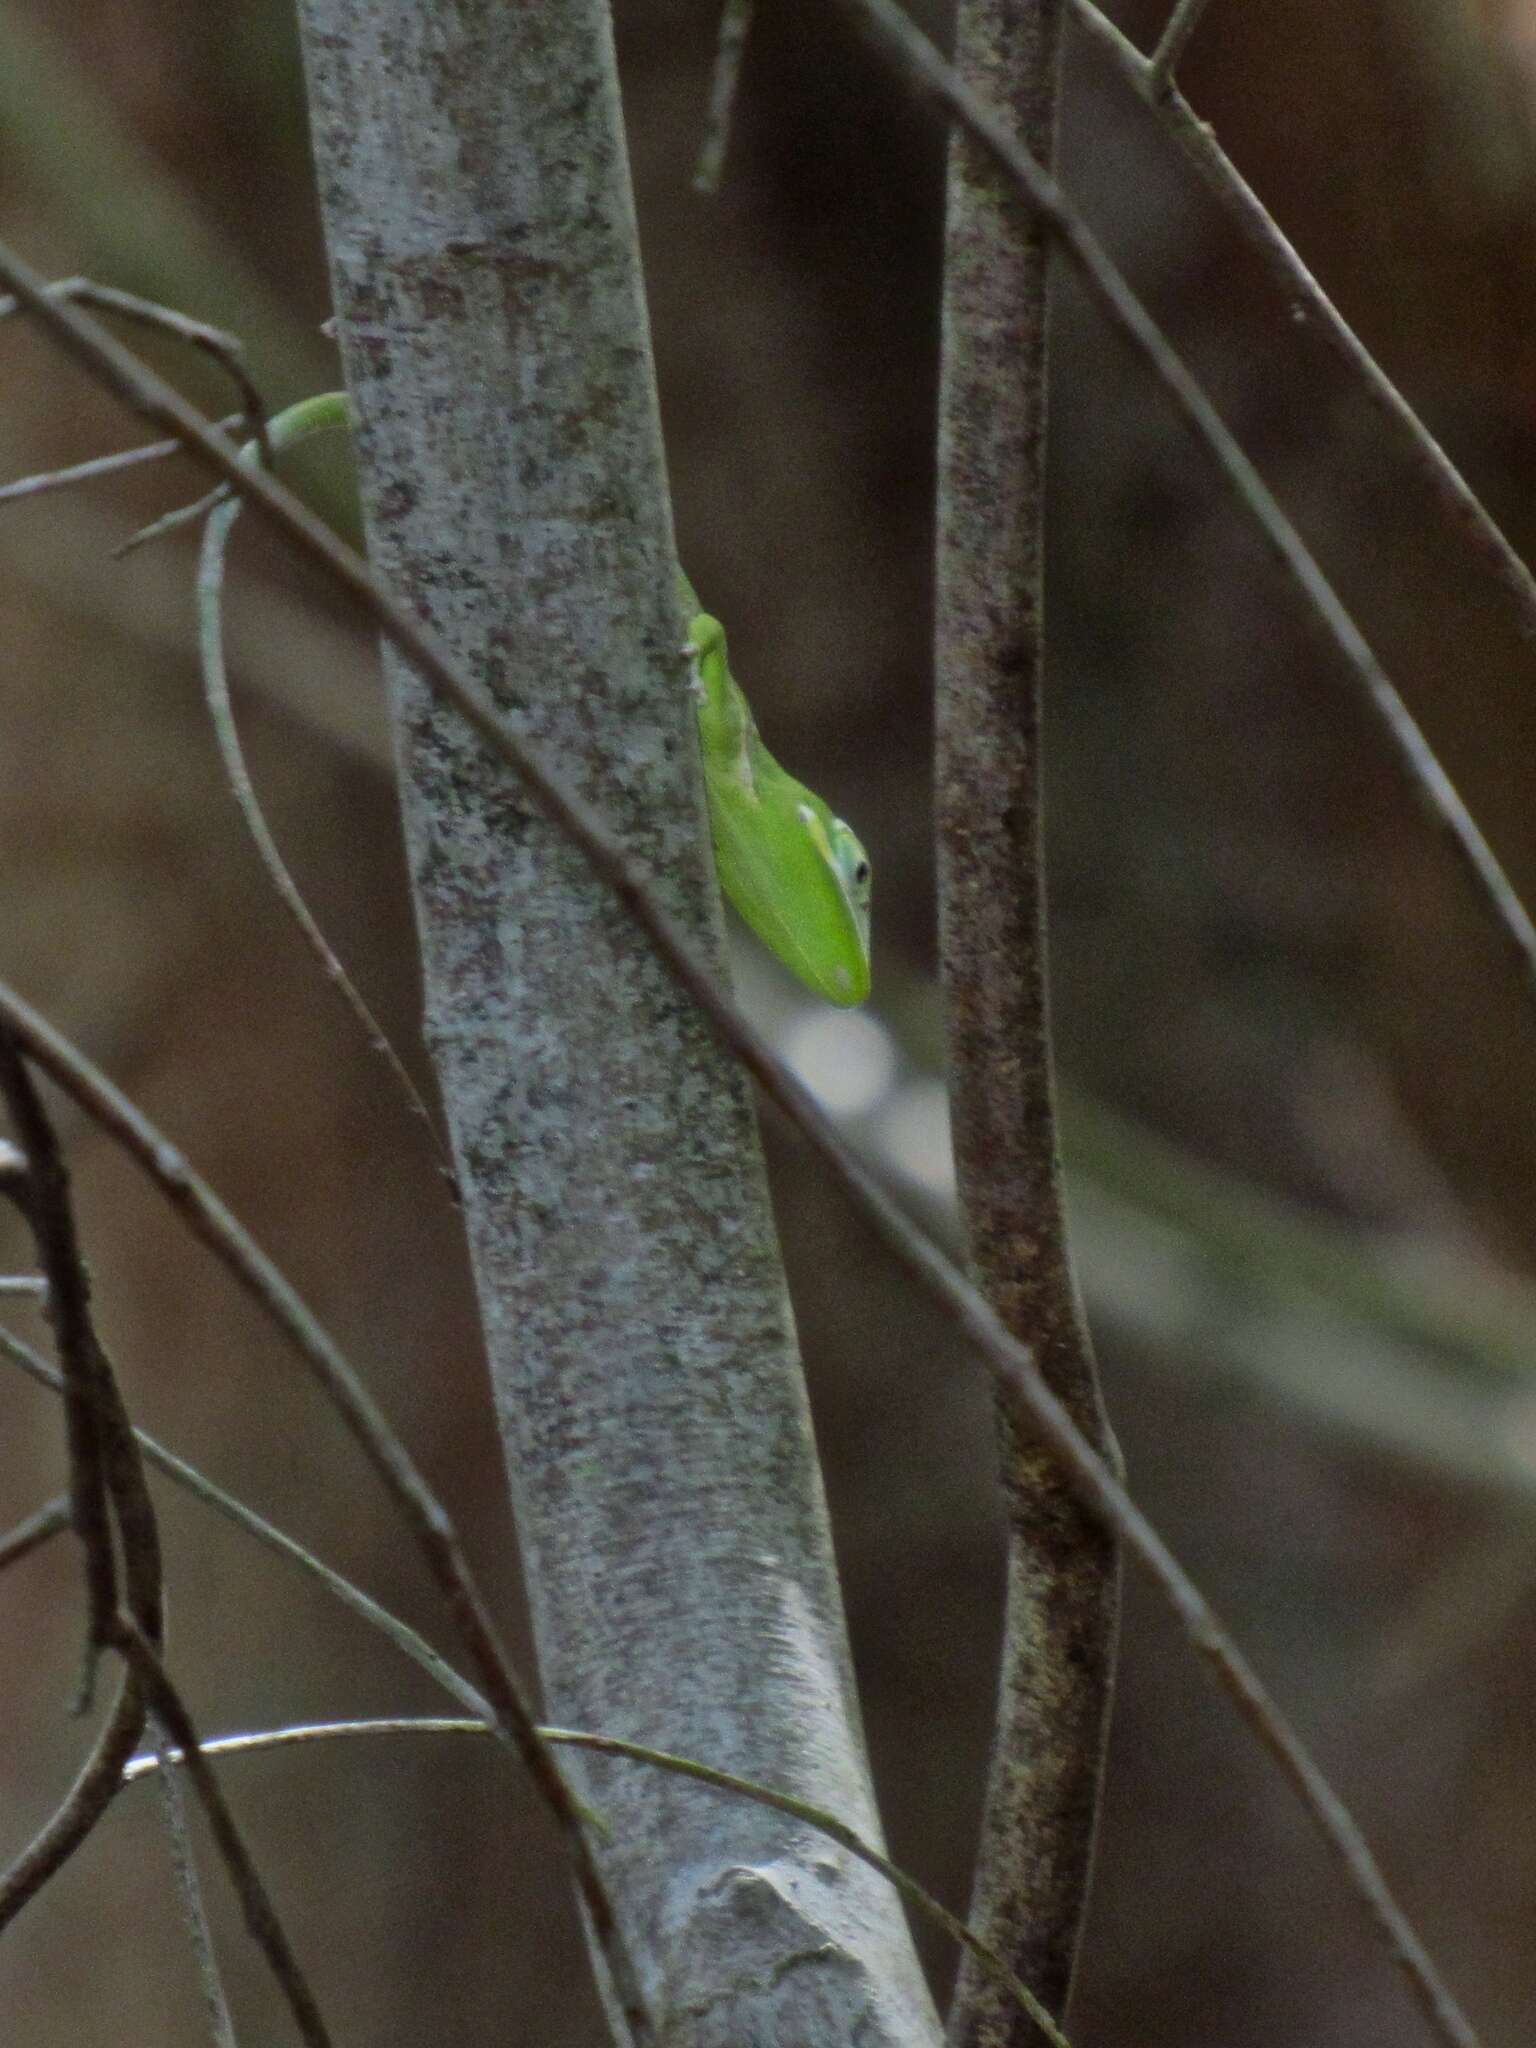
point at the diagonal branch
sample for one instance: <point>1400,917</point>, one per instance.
<point>1173,41</point>
<point>1011,1363</point>
<point>436,1537</point>
<point>1440,477</point>
<point>38,1528</point>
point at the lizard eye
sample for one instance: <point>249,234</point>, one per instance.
<point>851,857</point>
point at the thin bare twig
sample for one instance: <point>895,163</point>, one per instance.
<point>202,1488</point>
<point>1171,44</point>
<point>110,1507</point>
<point>1433,466</point>
<point>171,522</point>
<point>210,640</point>
<point>83,1806</point>
<point>725,83</point>
<point>201,1210</point>
<point>107,1484</point>
<point>38,1528</point>
<point>189,1892</point>
<point>928,1267</point>
<point>924,72</point>
<point>261,1917</point>
<point>1030,1888</point>
<point>227,350</point>
<point>99,466</point>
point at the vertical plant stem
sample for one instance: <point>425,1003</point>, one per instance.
<point>648,1388</point>
<point>1058,1651</point>
<point>927,76</point>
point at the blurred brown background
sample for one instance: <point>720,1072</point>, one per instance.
<point>1259,952</point>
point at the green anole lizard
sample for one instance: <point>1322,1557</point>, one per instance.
<point>795,872</point>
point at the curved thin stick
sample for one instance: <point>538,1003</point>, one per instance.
<point>88,1798</point>
<point>816,1817</point>
<point>210,624</point>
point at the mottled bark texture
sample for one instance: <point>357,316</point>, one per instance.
<point>1057,1664</point>
<point>482,241</point>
